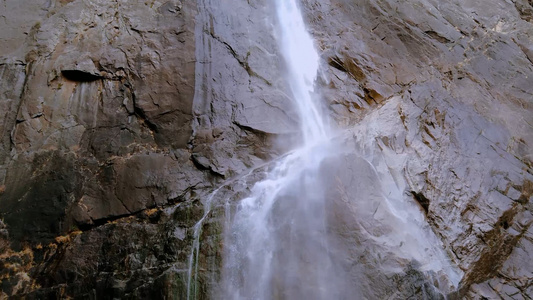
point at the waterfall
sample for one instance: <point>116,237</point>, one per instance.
<point>302,61</point>
<point>325,222</point>
<point>276,244</point>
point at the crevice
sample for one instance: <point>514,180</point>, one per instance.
<point>167,112</point>
<point>142,117</point>
<point>372,96</point>
<point>350,67</point>
<point>242,63</point>
<point>121,202</point>
<point>529,56</point>
<point>140,114</point>
<point>436,36</point>
<point>253,130</point>
<point>80,76</point>
<point>335,62</point>
<point>422,200</point>
<point>140,214</point>
<point>11,119</point>
<point>525,9</point>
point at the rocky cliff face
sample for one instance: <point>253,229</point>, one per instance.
<point>118,119</point>
<point>445,97</point>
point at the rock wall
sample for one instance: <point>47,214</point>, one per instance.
<point>119,118</point>
<point>444,91</point>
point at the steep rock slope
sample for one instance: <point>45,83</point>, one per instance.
<point>119,118</point>
<point>449,85</point>
<point>106,147</point>
<point>96,119</point>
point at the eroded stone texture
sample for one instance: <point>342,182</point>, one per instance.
<point>96,105</point>
<point>117,119</point>
<point>447,88</point>
<point>239,101</point>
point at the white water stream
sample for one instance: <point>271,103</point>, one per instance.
<point>278,233</point>
<point>279,243</point>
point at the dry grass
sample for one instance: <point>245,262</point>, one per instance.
<point>63,239</point>
<point>151,212</point>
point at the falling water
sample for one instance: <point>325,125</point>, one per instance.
<point>283,242</point>
<point>278,233</point>
<point>302,61</point>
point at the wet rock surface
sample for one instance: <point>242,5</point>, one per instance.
<point>118,119</point>
<point>456,104</point>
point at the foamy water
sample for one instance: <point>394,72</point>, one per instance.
<point>278,242</point>
<point>278,233</point>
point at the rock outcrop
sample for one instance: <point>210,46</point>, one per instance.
<point>445,94</point>
<point>118,120</point>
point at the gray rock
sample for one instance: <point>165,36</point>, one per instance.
<point>117,119</point>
